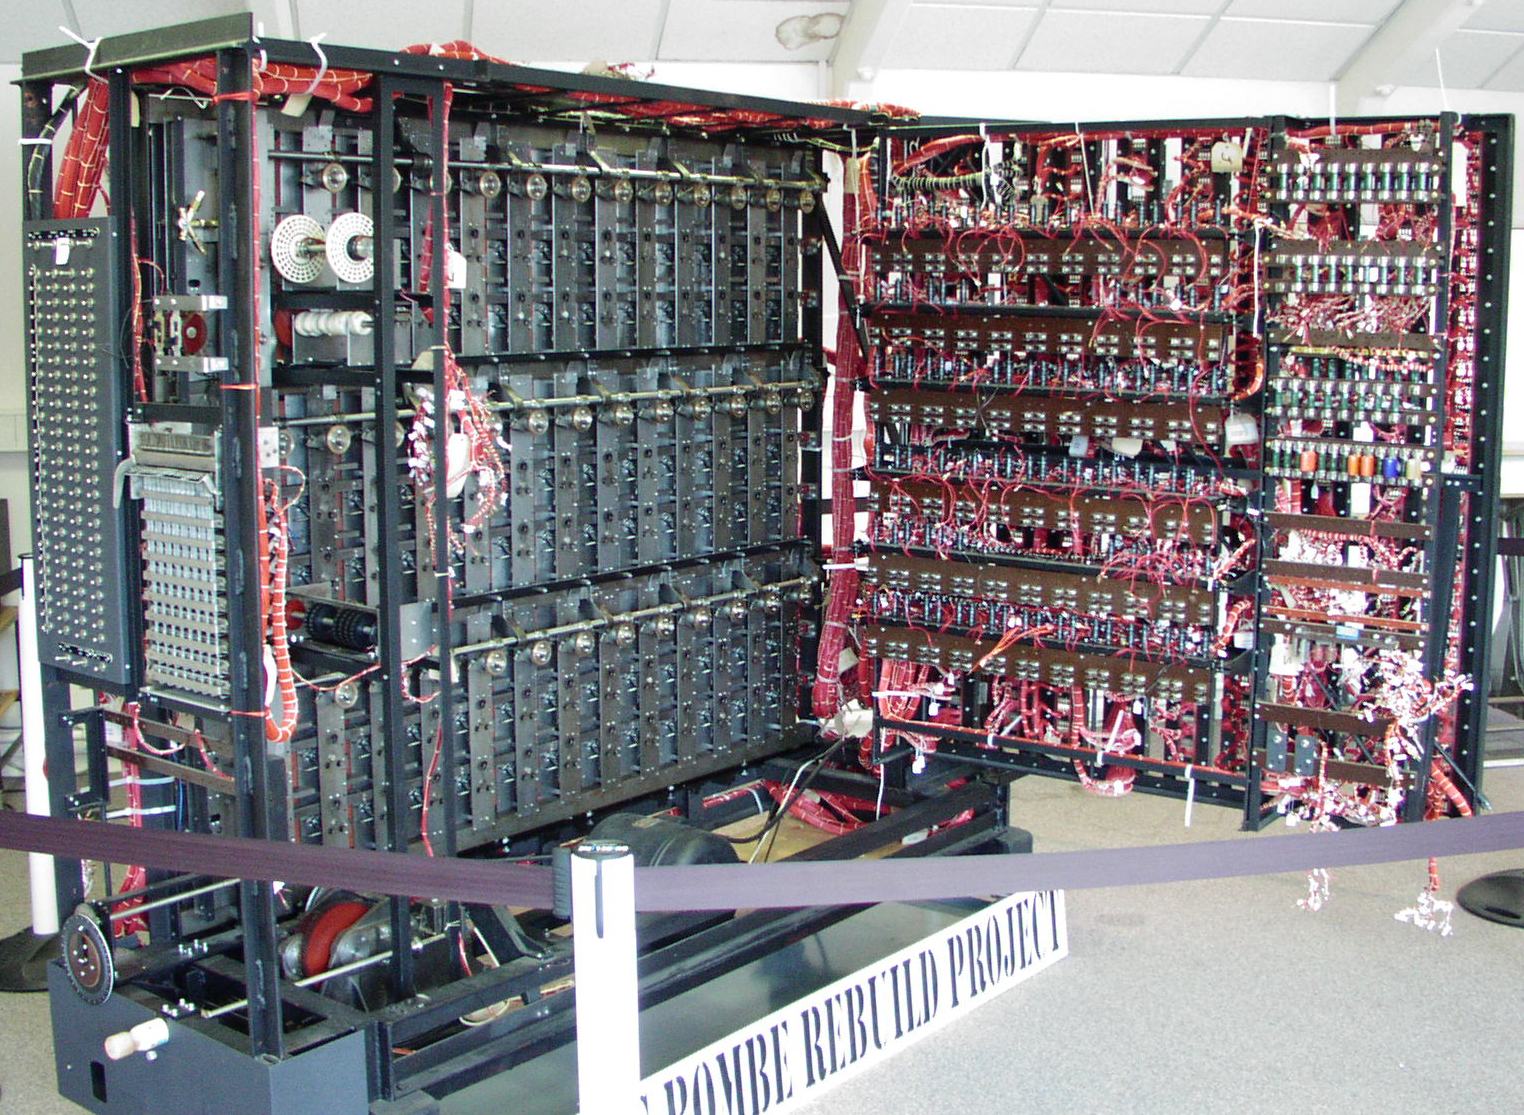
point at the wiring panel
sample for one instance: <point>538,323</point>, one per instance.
<point>1188,398</point>
<point>1371,415</point>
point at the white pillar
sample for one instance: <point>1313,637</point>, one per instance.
<point>608,993</point>
<point>34,749</point>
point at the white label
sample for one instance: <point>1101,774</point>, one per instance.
<point>269,447</point>
<point>796,1054</point>
<point>61,248</point>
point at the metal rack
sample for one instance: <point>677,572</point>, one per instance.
<point>684,340</point>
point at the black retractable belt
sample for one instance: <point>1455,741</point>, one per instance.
<point>491,882</point>
<point>760,886</point>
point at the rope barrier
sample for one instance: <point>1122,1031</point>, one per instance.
<point>765,886</point>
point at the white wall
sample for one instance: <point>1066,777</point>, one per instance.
<point>1004,95</point>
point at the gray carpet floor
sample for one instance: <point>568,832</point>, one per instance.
<point>1217,996</point>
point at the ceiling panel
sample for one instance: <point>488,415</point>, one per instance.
<point>31,26</point>
<point>592,30</point>
<point>1111,42</point>
<point>1328,11</point>
<point>1498,15</point>
<point>959,37</point>
<point>1167,7</point>
<point>99,18</point>
<point>1470,58</point>
<point>1276,51</point>
<point>749,30</point>
<point>1510,78</point>
<point>387,24</point>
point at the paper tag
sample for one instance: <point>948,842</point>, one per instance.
<point>269,447</point>
<point>61,248</point>
<point>1227,157</point>
<point>455,270</point>
<point>296,104</point>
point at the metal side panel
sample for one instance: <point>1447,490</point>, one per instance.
<point>327,1079</point>
<point>75,399</point>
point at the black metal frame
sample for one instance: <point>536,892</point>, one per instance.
<point>280,1022</point>
<point>1480,558</point>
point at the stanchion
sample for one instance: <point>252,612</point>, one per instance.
<point>24,956</point>
<point>608,999</point>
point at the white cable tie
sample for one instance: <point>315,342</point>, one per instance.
<point>1190,792</point>
<point>33,141</point>
<point>1439,67</point>
<point>92,45</point>
<point>118,814</point>
<point>1255,317</point>
<point>316,42</point>
<point>1333,109</point>
<point>830,566</point>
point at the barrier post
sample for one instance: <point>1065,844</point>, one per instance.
<point>608,994</point>
<point>34,750</point>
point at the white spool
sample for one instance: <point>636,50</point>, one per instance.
<point>296,249</point>
<point>332,323</point>
<point>349,248</point>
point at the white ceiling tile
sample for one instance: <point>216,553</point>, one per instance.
<point>1470,58</point>
<point>1498,15</point>
<point>751,30</point>
<point>386,24</point>
<point>1276,51</point>
<point>1110,42</point>
<point>1156,7</point>
<point>537,30</point>
<point>1510,78</point>
<point>31,27</point>
<point>958,37</point>
<point>112,17</point>
<point>1328,11</point>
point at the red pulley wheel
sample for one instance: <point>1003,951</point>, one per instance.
<point>325,929</point>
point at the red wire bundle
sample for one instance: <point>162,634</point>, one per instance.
<point>271,80</point>
<point>79,174</point>
<point>826,694</point>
